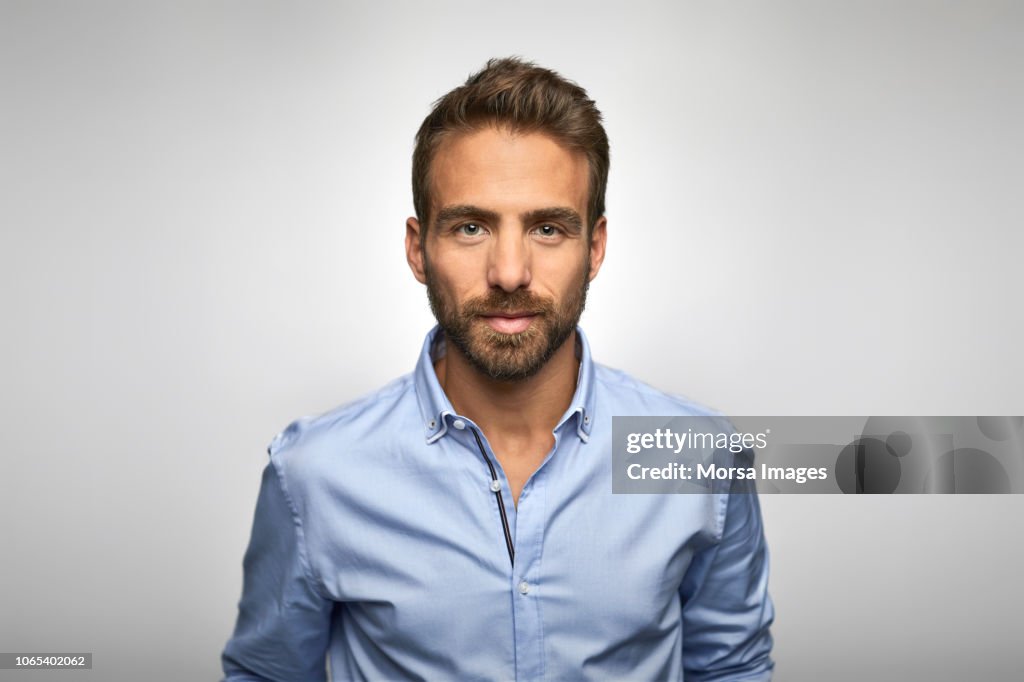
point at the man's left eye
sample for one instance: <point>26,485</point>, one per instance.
<point>547,231</point>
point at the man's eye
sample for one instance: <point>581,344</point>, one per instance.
<point>548,231</point>
<point>470,229</point>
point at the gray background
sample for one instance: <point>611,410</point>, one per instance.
<point>814,208</point>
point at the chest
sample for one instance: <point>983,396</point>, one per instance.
<point>424,570</point>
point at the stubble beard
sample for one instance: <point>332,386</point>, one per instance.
<point>501,356</point>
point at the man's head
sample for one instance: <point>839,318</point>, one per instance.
<point>523,98</point>
<point>508,183</point>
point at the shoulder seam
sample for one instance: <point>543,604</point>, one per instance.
<point>300,540</point>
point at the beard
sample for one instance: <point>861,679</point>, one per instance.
<point>507,356</point>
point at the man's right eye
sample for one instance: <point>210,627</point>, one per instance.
<point>469,229</point>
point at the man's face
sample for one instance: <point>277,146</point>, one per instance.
<point>506,258</point>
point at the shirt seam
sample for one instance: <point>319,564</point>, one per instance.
<point>721,504</point>
<point>300,541</point>
<point>540,574</point>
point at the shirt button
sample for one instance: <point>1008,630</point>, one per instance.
<point>524,587</point>
<point>459,424</point>
<point>495,486</point>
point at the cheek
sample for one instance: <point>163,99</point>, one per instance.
<point>455,276</point>
<point>561,273</point>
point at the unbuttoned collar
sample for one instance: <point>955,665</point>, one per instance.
<point>437,412</point>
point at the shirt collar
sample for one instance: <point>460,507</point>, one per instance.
<point>436,410</point>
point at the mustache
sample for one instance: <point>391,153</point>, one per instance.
<point>498,301</point>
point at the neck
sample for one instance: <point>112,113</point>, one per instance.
<point>529,406</point>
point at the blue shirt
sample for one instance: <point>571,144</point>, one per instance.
<point>379,544</point>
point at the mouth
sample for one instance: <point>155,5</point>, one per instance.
<point>510,323</point>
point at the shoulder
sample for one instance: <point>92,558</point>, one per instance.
<point>625,392</point>
<point>362,425</point>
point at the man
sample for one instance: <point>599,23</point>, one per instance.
<point>459,523</point>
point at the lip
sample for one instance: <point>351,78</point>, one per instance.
<point>511,316</point>
<point>509,323</point>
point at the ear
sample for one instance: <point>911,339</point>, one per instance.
<point>414,234</point>
<point>598,242</point>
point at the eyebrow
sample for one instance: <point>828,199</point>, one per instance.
<point>558,214</point>
<point>450,214</point>
<point>566,216</point>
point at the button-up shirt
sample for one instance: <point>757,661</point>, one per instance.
<point>382,541</point>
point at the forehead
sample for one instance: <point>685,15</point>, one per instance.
<point>507,171</point>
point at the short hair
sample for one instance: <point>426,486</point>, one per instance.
<point>525,98</point>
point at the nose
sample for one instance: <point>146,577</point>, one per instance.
<point>509,261</point>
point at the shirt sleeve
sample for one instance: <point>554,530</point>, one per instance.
<point>283,625</point>
<point>725,603</point>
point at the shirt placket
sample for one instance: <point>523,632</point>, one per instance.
<point>527,580</point>
<point>525,526</point>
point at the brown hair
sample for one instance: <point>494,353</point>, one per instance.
<point>524,97</point>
